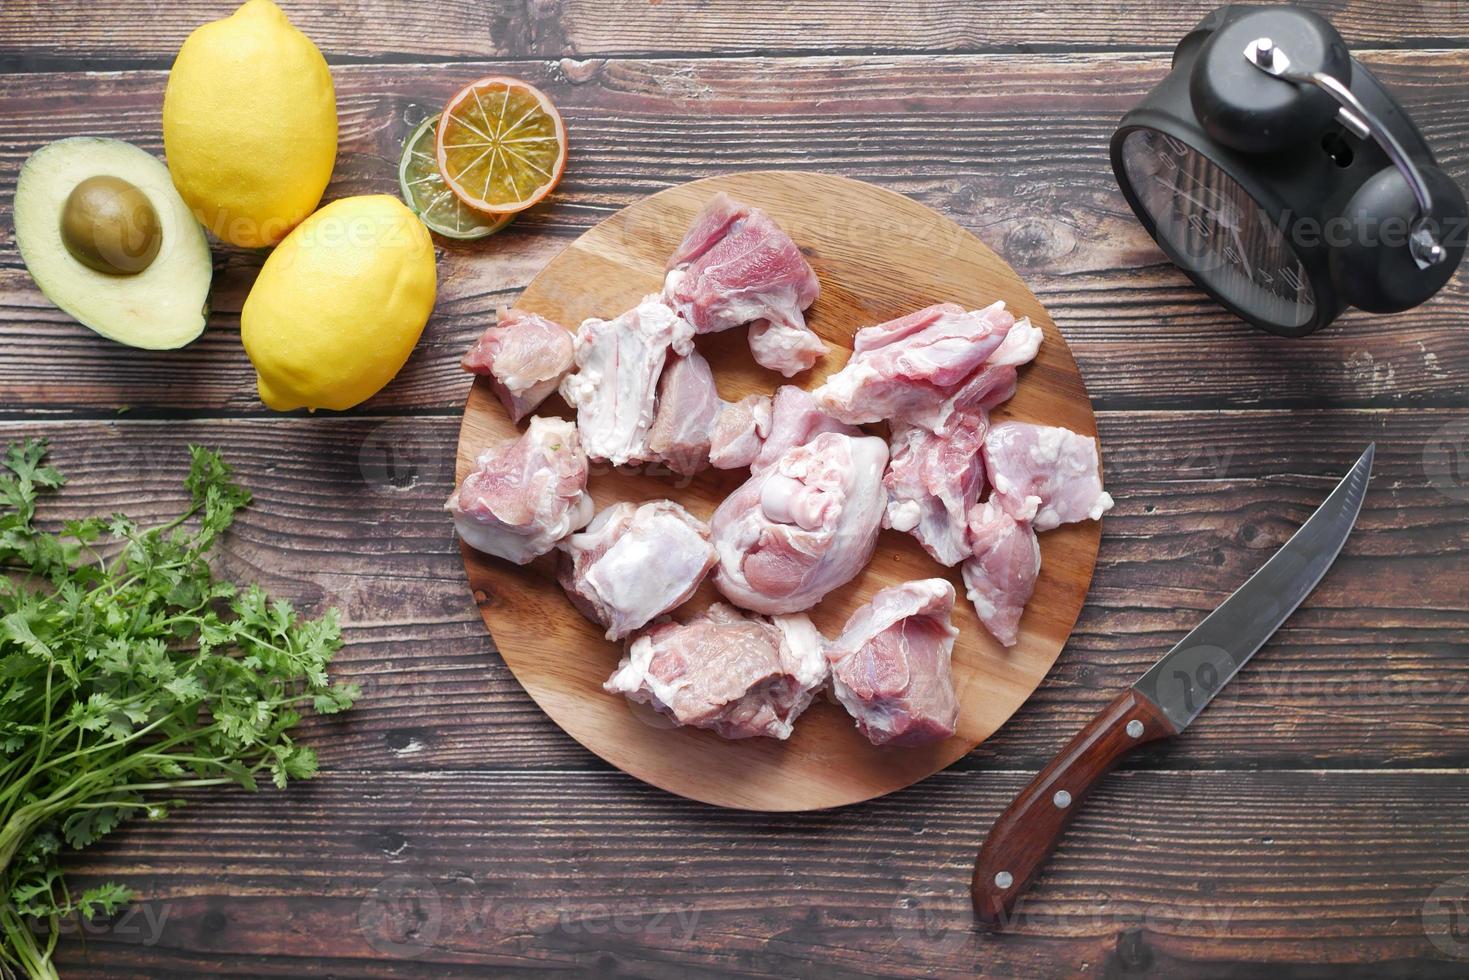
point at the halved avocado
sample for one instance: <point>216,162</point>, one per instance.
<point>110,242</point>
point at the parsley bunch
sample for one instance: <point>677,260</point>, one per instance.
<point>128,672</point>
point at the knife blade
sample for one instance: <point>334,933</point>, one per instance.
<point>1165,700</point>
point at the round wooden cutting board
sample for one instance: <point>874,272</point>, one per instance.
<point>878,255</point>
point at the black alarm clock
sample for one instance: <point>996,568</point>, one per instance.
<point>1283,177</point>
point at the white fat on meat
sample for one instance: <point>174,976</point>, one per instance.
<point>906,368</point>
<point>785,346</point>
<point>735,266</point>
<point>932,482</point>
<point>1000,575</point>
<point>737,675</point>
<point>687,409</point>
<point>614,389</point>
<point>890,667</point>
<point>525,494</point>
<point>525,356</point>
<point>739,431</point>
<point>803,526</point>
<point>634,563</point>
<point>1020,346</point>
<point>1044,474</point>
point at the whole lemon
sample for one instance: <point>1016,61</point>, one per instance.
<point>339,304</point>
<point>250,125</point>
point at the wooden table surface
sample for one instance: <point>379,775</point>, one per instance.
<point>1314,822</point>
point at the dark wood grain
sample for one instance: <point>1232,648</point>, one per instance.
<point>349,513</point>
<point>1015,155</point>
<point>1299,828</point>
<point>37,37</point>
<point>1030,828</point>
<point>1172,873</point>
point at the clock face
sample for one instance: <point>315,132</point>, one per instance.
<point>1217,230</point>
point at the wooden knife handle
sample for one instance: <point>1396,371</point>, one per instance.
<point>1031,826</point>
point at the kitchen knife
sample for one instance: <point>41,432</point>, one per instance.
<point>1164,700</point>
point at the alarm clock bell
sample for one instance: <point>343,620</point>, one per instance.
<point>1282,176</point>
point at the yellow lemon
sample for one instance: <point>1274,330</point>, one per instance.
<point>250,125</point>
<point>339,304</point>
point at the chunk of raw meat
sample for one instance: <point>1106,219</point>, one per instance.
<point>735,266</point>
<point>1020,345</point>
<point>933,481</point>
<point>795,419</point>
<point>525,356</point>
<point>986,388</point>
<point>739,432</point>
<point>634,563</point>
<point>805,525</point>
<point>525,494</point>
<point>616,383</point>
<point>739,676</point>
<point>1044,474</point>
<point>1001,575</point>
<point>907,367</point>
<point>890,667</point>
<point>688,405</point>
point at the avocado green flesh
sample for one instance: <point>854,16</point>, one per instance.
<point>152,289</point>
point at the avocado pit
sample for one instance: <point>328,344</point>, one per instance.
<point>109,225</point>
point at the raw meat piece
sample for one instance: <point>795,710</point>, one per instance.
<point>936,474</point>
<point>890,667</point>
<point>525,494</point>
<point>795,419</point>
<point>634,563</point>
<point>803,526</point>
<point>525,356</point>
<point>739,432</point>
<point>982,391</point>
<point>1020,345</point>
<point>1044,474</point>
<point>735,266</point>
<point>618,365</point>
<point>909,366</point>
<point>688,405</point>
<point>933,481</point>
<point>1001,575</point>
<point>738,675</point>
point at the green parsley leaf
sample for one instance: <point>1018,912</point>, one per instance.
<point>128,677</point>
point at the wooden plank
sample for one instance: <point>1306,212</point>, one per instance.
<point>40,36</point>
<point>1164,873</point>
<point>1011,147</point>
<point>1369,673</point>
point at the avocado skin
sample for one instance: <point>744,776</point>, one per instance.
<point>163,306</point>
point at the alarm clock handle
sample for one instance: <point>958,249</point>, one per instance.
<point>1424,244</point>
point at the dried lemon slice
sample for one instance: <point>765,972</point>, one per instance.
<point>501,145</point>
